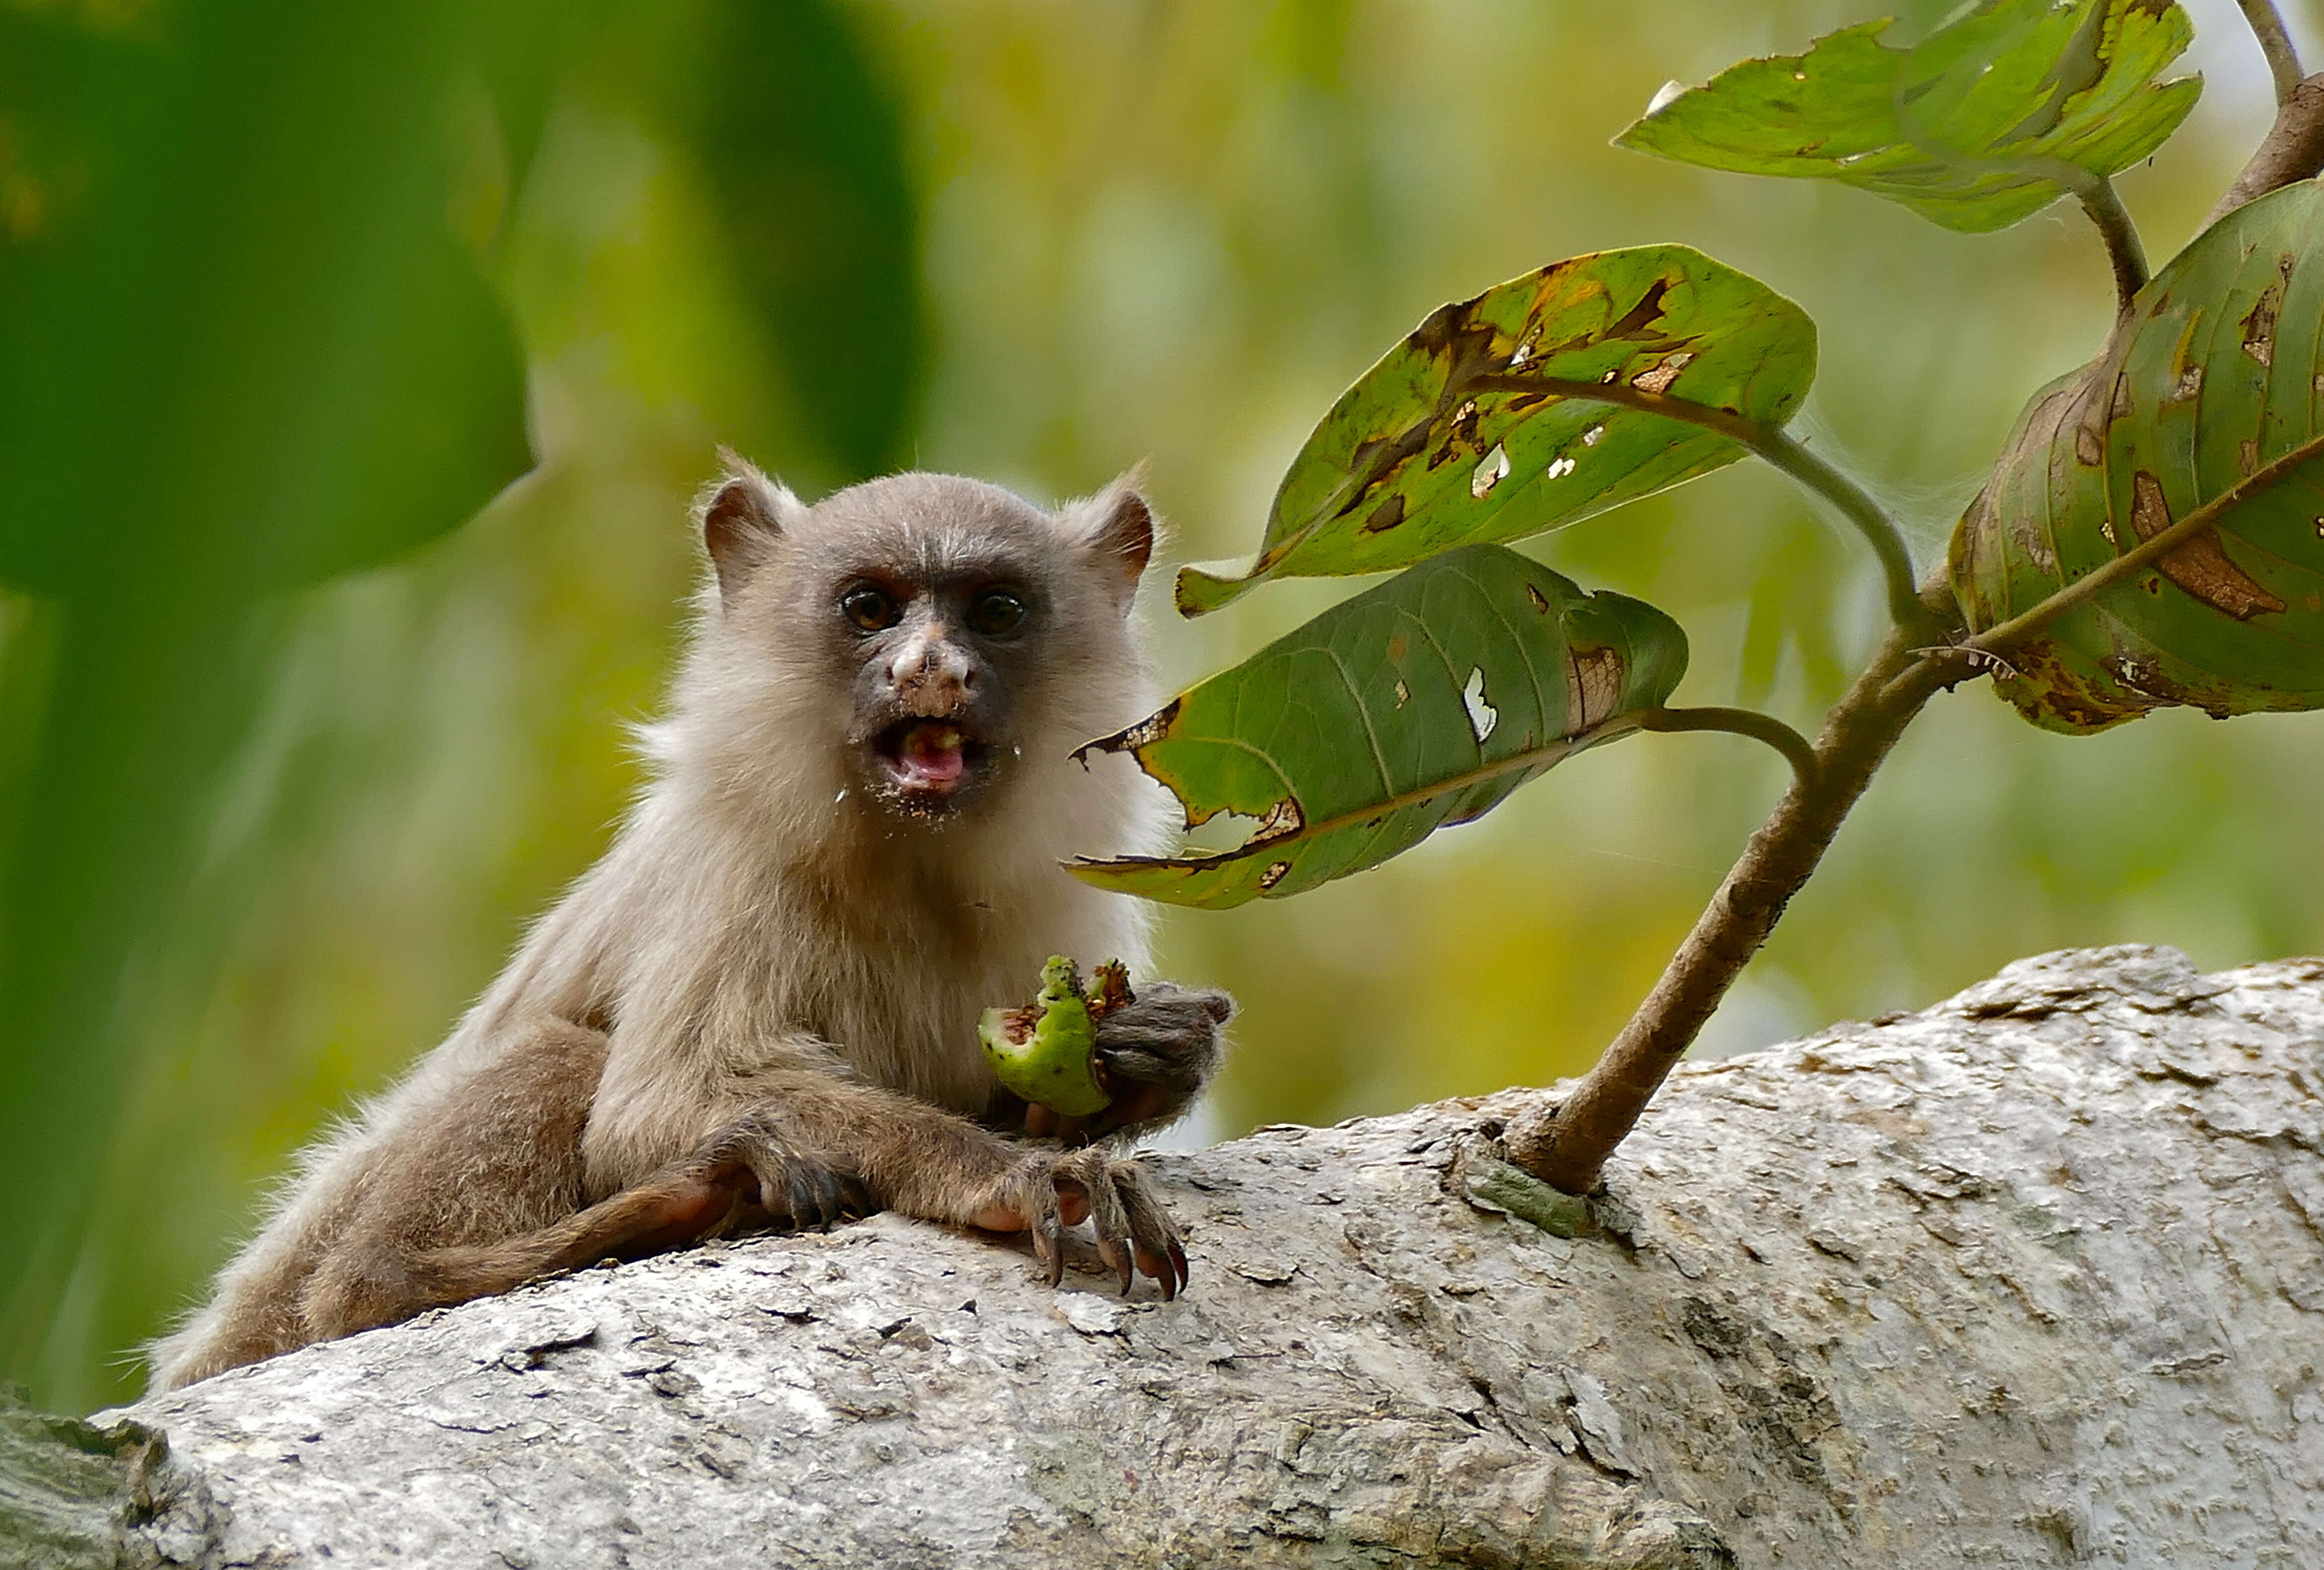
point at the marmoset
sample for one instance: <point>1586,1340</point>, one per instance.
<point>760,1008</point>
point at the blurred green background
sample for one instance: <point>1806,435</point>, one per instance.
<point>292,746</point>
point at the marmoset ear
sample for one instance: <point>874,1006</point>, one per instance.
<point>1117,525</point>
<point>741,516</point>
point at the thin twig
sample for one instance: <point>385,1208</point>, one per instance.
<point>1797,750</point>
<point>1778,448</point>
<point>1566,1145</point>
<point>2275,43</point>
<point>2293,150</point>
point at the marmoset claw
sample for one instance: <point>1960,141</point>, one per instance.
<point>1134,1236</point>
<point>779,1186</point>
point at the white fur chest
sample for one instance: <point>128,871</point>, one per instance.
<point>906,1015</point>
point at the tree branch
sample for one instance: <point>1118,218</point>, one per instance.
<point>2275,43</point>
<point>1797,750</point>
<point>1398,1353</point>
<point>1567,1145</point>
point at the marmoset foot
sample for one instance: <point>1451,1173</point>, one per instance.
<point>1051,1190</point>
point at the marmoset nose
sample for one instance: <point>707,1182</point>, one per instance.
<point>931,673</point>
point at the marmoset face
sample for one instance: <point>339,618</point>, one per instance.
<point>943,649</point>
<point>938,635</point>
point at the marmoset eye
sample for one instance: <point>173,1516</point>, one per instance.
<point>868,608</point>
<point>996,613</point>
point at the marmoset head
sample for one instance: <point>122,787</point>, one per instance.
<point>920,643</point>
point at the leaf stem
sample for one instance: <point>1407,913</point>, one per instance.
<point>2097,581</point>
<point>1855,505</point>
<point>1797,750</point>
<point>2125,249</point>
<point>1531,758</point>
<point>1741,722</point>
<point>2103,203</point>
<point>1777,446</point>
<point>2275,43</point>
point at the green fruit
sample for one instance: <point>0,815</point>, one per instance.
<point>1045,1053</point>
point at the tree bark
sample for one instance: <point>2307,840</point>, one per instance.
<point>2034,1278</point>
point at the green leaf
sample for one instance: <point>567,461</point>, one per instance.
<point>241,350</point>
<point>1421,703</point>
<point>1487,422</point>
<point>804,144</point>
<point>1959,129</point>
<point>2212,399</point>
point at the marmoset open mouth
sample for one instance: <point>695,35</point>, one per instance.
<point>928,757</point>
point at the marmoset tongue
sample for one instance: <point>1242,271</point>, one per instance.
<point>930,758</point>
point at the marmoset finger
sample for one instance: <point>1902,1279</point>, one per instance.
<point>1153,1235</point>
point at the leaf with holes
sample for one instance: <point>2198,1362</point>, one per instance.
<point>1986,123</point>
<point>1527,407</point>
<point>1418,704</point>
<point>2213,402</point>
